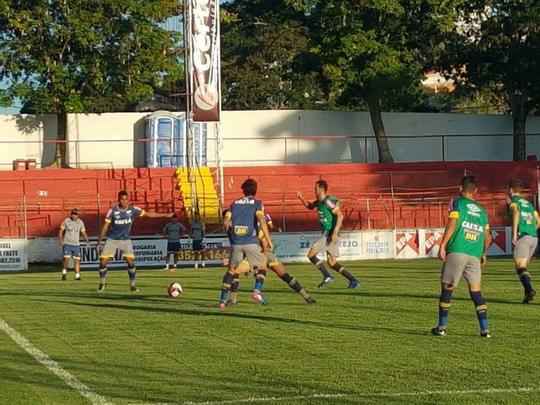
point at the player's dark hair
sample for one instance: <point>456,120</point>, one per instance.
<point>516,185</point>
<point>468,184</point>
<point>249,187</point>
<point>122,194</point>
<point>322,184</point>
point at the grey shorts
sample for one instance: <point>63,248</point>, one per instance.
<point>111,246</point>
<point>323,244</point>
<point>252,253</point>
<point>459,265</point>
<point>525,247</point>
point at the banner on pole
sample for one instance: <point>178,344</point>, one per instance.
<point>204,61</point>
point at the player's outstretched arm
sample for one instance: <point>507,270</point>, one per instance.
<point>157,215</point>
<point>309,205</point>
<point>61,235</point>
<point>537,217</point>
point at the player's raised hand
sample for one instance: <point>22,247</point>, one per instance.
<point>300,196</point>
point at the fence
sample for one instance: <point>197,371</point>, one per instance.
<point>295,149</point>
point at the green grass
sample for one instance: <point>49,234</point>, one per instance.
<point>149,348</point>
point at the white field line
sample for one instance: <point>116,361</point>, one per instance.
<point>486,391</point>
<point>55,368</point>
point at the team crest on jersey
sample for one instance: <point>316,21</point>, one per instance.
<point>473,210</point>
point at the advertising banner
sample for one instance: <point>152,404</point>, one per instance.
<point>407,244</point>
<point>12,255</point>
<point>153,253</point>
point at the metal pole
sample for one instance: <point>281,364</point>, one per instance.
<point>365,149</point>
<point>368,214</point>
<point>25,220</point>
<point>443,149</point>
<point>393,200</point>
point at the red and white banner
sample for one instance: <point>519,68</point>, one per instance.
<point>432,242</point>
<point>407,244</point>
<point>204,59</point>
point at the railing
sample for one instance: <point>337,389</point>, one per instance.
<point>291,150</point>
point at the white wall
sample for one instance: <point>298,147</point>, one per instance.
<point>272,137</point>
<point>29,131</point>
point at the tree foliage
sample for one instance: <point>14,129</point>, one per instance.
<point>496,46</point>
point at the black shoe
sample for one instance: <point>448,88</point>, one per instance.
<point>326,281</point>
<point>134,289</point>
<point>436,331</point>
<point>310,300</point>
<point>485,334</point>
<point>64,276</point>
<point>101,288</point>
<point>529,296</point>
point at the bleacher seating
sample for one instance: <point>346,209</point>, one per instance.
<point>377,196</point>
<point>49,195</point>
<point>374,196</point>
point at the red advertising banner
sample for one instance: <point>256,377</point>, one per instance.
<point>407,246</point>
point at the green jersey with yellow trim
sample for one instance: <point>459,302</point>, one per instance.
<point>325,209</point>
<point>527,224</point>
<point>472,221</point>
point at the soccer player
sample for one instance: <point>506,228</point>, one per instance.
<point>173,231</point>
<point>70,232</point>
<point>331,219</point>
<point>120,219</point>
<point>241,223</point>
<point>463,250</point>
<point>197,236</point>
<point>525,223</point>
<point>278,268</point>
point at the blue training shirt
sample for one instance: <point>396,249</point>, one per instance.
<point>121,221</point>
<point>244,221</point>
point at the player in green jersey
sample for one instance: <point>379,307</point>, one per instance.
<point>330,219</point>
<point>525,222</point>
<point>463,251</point>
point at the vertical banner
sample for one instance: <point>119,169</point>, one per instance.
<point>407,244</point>
<point>204,59</point>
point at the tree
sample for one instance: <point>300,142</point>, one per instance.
<point>264,54</point>
<point>375,51</point>
<point>67,56</point>
<point>496,46</point>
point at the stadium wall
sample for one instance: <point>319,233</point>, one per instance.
<point>255,138</point>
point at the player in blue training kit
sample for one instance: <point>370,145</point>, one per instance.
<point>242,223</point>
<point>120,219</point>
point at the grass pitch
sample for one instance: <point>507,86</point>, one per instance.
<point>369,346</point>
